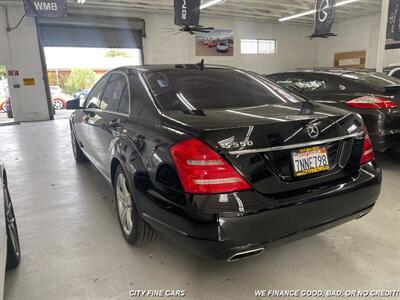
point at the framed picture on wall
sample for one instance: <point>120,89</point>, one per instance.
<point>218,42</point>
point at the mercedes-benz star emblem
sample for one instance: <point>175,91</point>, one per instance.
<point>312,131</point>
<point>323,11</point>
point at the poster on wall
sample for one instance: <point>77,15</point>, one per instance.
<point>393,26</point>
<point>218,42</point>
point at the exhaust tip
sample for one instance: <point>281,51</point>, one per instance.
<point>246,254</point>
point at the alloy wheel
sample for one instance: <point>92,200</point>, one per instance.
<point>58,104</point>
<point>124,204</point>
<point>11,223</point>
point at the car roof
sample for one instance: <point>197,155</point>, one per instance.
<point>167,67</point>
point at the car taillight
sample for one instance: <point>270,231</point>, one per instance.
<point>203,171</point>
<point>368,151</point>
<point>371,102</point>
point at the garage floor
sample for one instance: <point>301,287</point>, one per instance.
<point>72,246</point>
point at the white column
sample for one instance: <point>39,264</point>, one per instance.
<point>20,51</point>
<point>382,36</point>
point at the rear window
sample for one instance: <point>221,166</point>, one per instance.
<point>375,80</point>
<point>193,89</point>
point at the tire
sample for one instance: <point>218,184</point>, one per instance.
<point>58,104</point>
<point>76,149</point>
<point>13,245</point>
<point>138,231</point>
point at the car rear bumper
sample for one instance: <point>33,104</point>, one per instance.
<point>235,234</point>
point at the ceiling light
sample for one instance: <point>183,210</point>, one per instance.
<point>211,3</point>
<point>310,12</point>
<point>81,1</point>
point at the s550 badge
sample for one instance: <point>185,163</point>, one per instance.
<point>235,145</point>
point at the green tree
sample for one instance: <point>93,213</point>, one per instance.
<point>79,79</point>
<point>117,53</point>
<point>3,72</point>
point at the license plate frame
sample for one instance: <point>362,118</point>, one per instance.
<point>310,160</point>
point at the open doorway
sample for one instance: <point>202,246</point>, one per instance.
<point>78,50</point>
<point>72,71</point>
<point>6,115</point>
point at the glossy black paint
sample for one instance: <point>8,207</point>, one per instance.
<point>383,125</point>
<point>278,208</point>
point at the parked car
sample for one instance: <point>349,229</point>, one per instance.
<point>60,100</point>
<point>393,70</point>
<point>82,94</point>
<point>375,96</point>
<point>223,46</point>
<point>222,161</point>
<point>8,108</point>
<point>54,90</point>
<point>3,107</point>
<point>212,43</point>
<point>9,240</point>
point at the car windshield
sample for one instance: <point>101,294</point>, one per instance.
<point>376,80</point>
<point>193,89</point>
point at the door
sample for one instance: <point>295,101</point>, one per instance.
<point>109,120</point>
<point>87,115</point>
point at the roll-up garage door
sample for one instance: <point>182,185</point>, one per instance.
<point>91,31</point>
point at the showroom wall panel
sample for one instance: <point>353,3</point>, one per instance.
<point>362,34</point>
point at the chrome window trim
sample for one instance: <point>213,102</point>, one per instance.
<point>295,146</point>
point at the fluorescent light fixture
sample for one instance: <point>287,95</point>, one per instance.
<point>313,11</point>
<point>81,1</point>
<point>211,3</point>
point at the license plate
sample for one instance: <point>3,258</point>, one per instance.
<point>310,161</point>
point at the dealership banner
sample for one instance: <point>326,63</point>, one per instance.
<point>324,17</point>
<point>187,12</point>
<point>393,25</point>
<point>46,8</point>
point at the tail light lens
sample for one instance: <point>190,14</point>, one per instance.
<point>368,151</point>
<point>203,171</point>
<point>372,102</point>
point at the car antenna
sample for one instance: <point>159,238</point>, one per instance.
<point>201,64</point>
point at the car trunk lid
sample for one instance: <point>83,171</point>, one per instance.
<point>259,141</point>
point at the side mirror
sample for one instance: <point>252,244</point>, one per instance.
<point>74,104</point>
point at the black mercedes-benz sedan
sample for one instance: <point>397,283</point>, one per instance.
<point>222,161</point>
<point>375,96</point>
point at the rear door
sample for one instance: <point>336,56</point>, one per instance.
<point>109,119</point>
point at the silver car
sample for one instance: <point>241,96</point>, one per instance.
<point>10,251</point>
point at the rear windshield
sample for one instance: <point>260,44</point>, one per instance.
<point>372,79</point>
<point>193,89</point>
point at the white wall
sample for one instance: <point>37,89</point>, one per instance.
<point>362,34</point>
<point>294,48</point>
<point>19,50</point>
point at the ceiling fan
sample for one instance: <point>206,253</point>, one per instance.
<point>190,29</point>
<point>187,17</point>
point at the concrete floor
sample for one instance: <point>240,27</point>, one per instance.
<point>72,246</point>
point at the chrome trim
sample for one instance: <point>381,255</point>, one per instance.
<point>258,250</point>
<point>295,146</point>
